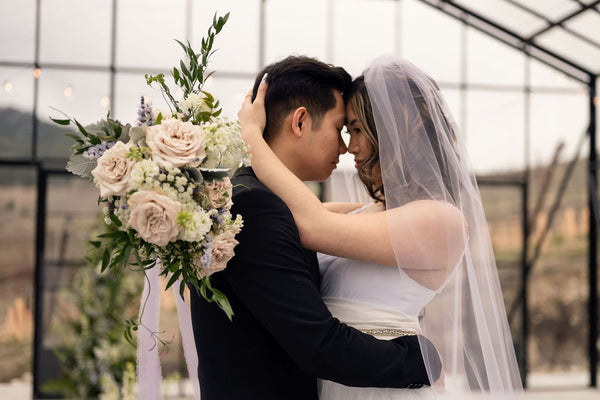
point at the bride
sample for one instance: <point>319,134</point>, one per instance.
<point>418,259</point>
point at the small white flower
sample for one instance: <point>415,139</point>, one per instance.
<point>143,175</point>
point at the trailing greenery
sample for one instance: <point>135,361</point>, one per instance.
<point>96,361</point>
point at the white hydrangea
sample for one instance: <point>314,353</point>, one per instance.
<point>170,191</point>
<point>144,175</point>
<point>193,104</point>
<point>195,223</point>
<point>224,145</point>
<point>122,210</point>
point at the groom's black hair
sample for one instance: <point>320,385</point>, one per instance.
<point>300,81</point>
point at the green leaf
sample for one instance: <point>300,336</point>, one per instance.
<point>74,137</point>
<point>184,69</point>
<point>173,279</point>
<point>105,259</point>
<point>61,121</point>
<point>181,290</point>
<point>114,235</point>
<point>115,220</point>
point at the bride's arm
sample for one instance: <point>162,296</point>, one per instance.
<point>427,234</point>
<point>342,207</point>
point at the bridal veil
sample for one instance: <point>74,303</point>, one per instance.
<point>421,158</point>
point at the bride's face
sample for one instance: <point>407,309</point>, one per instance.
<point>359,146</point>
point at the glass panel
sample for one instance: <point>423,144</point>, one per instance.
<point>572,48</point>
<point>453,99</point>
<point>557,118</point>
<point>242,26</point>
<point>354,44</point>
<point>552,9</point>
<point>68,227</point>
<point>16,104</point>
<point>502,206</point>
<point>146,33</point>
<point>295,27</point>
<point>544,76</point>
<point>505,14</point>
<point>17,19</point>
<point>586,24</point>
<point>559,278</point>
<point>230,92</point>
<point>76,32</point>
<point>489,61</point>
<point>129,87</point>
<point>17,259</point>
<point>495,131</point>
<point>431,40</point>
<point>81,95</point>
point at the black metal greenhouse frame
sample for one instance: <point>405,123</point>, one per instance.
<point>470,18</point>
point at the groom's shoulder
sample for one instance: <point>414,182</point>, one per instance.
<point>247,188</point>
<point>244,181</point>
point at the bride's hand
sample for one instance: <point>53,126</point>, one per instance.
<point>252,115</point>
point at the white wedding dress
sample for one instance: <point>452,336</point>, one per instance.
<point>379,300</point>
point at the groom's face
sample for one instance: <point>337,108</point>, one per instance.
<point>324,143</point>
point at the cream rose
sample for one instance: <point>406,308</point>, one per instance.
<point>219,193</point>
<point>154,216</point>
<point>175,143</point>
<point>222,252</point>
<point>112,173</point>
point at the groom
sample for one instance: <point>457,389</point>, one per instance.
<point>282,336</point>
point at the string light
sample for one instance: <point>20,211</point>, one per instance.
<point>8,86</point>
<point>37,73</point>
<point>68,91</point>
<point>105,102</point>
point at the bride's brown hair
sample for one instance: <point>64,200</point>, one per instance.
<point>358,98</point>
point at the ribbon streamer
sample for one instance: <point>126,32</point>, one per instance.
<point>149,371</point>
<point>187,339</point>
<point>148,367</point>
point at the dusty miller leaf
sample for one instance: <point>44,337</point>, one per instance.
<point>79,165</point>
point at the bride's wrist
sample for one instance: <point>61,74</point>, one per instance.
<point>252,134</point>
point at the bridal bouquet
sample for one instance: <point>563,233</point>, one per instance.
<point>165,182</point>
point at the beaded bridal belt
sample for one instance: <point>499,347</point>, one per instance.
<point>388,332</point>
<point>372,319</point>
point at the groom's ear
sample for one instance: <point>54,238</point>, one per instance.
<point>299,121</point>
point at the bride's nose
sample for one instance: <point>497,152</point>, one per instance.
<point>353,147</point>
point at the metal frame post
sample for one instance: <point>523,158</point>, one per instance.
<point>593,239</point>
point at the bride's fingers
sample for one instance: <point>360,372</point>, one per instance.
<point>261,93</point>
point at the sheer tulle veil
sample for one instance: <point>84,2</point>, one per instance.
<point>421,158</point>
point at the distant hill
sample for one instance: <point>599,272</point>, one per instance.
<point>16,131</point>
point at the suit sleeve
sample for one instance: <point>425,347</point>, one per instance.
<point>270,276</point>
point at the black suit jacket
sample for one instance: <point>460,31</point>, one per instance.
<point>282,335</point>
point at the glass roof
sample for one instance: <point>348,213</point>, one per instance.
<point>566,31</point>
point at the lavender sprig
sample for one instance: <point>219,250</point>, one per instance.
<point>145,115</point>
